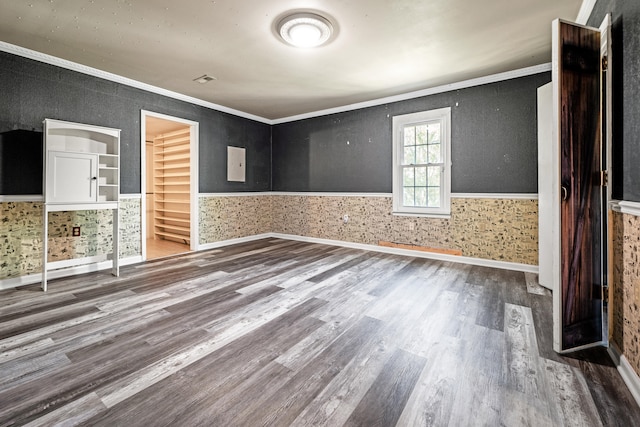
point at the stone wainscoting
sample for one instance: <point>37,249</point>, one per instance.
<point>626,287</point>
<point>232,217</point>
<point>21,238</point>
<point>495,229</point>
<point>21,235</point>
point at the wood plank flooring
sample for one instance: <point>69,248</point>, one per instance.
<point>279,333</point>
<point>158,248</point>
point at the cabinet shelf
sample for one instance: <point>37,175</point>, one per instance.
<point>180,149</point>
<point>179,202</point>
<point>171,167</point>
<point>173,227</point>
<point>173,219</point>
<point>173,235</point>
<point>173,211</point>
<point>173,159</point>
<point>172,184</point>
<point>169,141</point>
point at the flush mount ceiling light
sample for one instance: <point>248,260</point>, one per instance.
<point>305,29</point>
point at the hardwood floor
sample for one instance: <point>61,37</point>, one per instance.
<point>279,333</point>
<point>157,248</point>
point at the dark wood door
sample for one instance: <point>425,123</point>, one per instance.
<point>581,159</point>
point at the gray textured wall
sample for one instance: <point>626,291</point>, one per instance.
<point>625,66</point>
<point>494,143</point>
<point>32,91</point>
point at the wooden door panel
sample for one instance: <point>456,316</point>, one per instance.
<point>581,204</point>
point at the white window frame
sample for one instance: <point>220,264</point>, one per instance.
<point>399,122</point>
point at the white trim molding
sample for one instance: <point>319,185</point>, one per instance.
<point>78,262</point>
<point>222,243</point>
<point>614,205</point>
<point>15,282</point>
<point>494,78</point>
<point>521,196</point>
<point>237,194</point>
<point>30,279</point>
<point>512,196</point>
<point>22,198</point>
<point>631,208</point>
<point>418,254</point>
<point>74,66</point>
<point>628,374</point>
<point>130,196</point>
<point>585,11</point>
<point>329,194</point>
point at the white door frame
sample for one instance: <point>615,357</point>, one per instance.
<point>193,196</point>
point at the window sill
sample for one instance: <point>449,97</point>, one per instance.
<point>423,215</point>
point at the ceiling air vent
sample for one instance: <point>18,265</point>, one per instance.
<point>204,79</point>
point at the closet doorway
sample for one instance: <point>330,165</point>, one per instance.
<point>169,180</point>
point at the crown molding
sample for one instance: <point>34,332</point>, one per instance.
<point>508,75</point>
<point>74,66</point>
<point>585,11</point>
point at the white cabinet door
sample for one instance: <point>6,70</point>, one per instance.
<point>72,177</point>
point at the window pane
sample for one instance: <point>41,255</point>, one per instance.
<point>434,173</point>
<point>421,177</point>
<point>434,153</point>
<point>421,197</point>
<point>422,154</point>
<point>409,155</point>
<point>408,198</point>
<point>409,179</point>
<point>434,197</point>
<point>421,147</point>
<point>434,133</point>
<point>421,134</point>
<point>410,135</point>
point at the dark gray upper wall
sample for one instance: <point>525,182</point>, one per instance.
<point>32,91</point>
<point>494,143</point>
<point>625,66</point>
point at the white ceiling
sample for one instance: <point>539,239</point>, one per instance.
<point>383,47</point>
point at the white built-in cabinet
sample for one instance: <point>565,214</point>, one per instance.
<point>81,172</point>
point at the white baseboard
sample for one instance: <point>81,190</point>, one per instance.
<point>30,279</point>
<point>629,376</point>
<point>228,242</point>
<point>87,268</point>
<point>77,262</point>
<point>418,254</point>
<point>131,260</point>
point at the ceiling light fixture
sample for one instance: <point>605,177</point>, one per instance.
<point>305,30</point>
